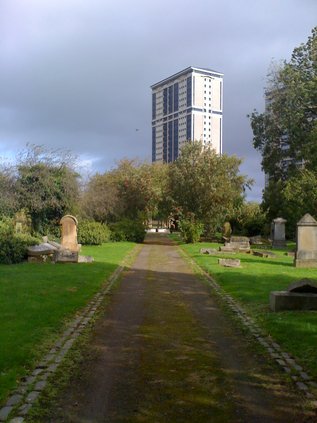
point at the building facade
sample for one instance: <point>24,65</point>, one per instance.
<point>186,106</point>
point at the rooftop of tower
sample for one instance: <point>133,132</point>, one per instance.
<point>205,71</point>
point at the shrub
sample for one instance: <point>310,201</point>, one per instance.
<point>13,247</point>
<point>191,230</point>
<point>92,233</point>
<point>128,230</point>
<point>249,220</point>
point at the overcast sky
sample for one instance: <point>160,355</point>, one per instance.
<point>76,74</point>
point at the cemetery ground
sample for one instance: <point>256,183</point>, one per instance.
<point>163,348</point>
<point>251,284</point>
<point>36,301</point>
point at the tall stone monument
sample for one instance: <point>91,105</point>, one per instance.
<point>69,233</point>
<point>306,242</point>
<point>278,233</point>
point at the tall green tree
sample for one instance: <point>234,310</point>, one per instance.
<point>300,195</point>
<point>100,199</point>
<point>141,186</point>
<point>286,133</point>
<point>47,185</point>
<point>206,184</point>
<point>132,189</point>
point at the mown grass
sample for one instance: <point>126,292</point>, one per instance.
<point>251,285</point>
<point>36,300</point>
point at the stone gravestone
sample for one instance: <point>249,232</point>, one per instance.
<point>300,295</point>
<point>237,243</point>
<point>306,242</point>
<point>69,233</point>
<point>265,254</point>
<point>208,251</point>
<point>68,253</point>
<point>41,253</point>
<point>278,233</point>
<point>229,262</point>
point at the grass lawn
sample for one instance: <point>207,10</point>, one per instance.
<point>251,285</point>
<point>36,300</point>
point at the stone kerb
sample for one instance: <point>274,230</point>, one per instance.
<point>306,242</point>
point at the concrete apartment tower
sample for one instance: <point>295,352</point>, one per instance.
<point>186,106</point>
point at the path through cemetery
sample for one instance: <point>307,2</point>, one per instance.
<point>164,351</point>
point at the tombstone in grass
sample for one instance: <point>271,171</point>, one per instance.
<point>236,244</point>
<point>306,242</point>
<point>208,251</point>
<point>265,254</point>
<point>70,247</point>
<point>69,233</point>
<point>41,253</point>
<point>300,295</point>
<point>278,233</point>
<point>229,262</point>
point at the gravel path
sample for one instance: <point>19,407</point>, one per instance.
<point>165,352</point>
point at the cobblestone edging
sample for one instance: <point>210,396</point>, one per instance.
<point>20,402</point>
<point>302,380</point>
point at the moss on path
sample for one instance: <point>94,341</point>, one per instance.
<point>164,352</point>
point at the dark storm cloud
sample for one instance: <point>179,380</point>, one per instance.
<point>76,74</point>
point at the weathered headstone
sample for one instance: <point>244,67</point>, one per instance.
<point>227,249</point>
<point>306,242</point>
<point>208,251</point>
<point>229,262</point>
<point>266,254</point>
<point>278,233</point>
<point>41,253</point>
<point>237,243</point>
<point>69,233</point>
<point>256,240</point>
<point>41,249</point>
<point>300,295</point>
<point>85,259</point>
<point>65,256</point>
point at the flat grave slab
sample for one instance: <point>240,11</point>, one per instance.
<point>208,251</point>
<point>265,254</point>
<point>229,262</point>
<point>300,295</point>
<point>237,243</point>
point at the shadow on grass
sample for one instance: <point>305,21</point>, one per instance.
<point>244,259</point>
<point>274,262</point>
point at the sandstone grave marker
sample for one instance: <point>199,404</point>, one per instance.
<point>69,233</point>
<point>306,242</point>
